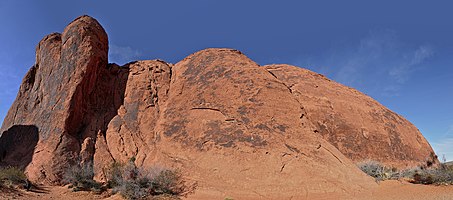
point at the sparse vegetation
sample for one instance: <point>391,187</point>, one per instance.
<point>377,170</point>
<point>441,175</point>
<point>130,181</point>
<point>13,177</point>
<point>80,177</point>
<point>137,183</point>
<point>425,174</point>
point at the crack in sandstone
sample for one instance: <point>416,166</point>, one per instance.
<point>290,89</point>
<point>272,74</point>
<point>283,167</point>
<point>228,119</point>
<point>206,108</point>
<point>59,142</point>
<point>278,81</point>
<point>333,155</point>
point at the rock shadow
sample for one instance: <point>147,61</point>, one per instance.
<point>17,145</point>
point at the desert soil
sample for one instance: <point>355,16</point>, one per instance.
<point>394,190</point>
<point>403,190</point>
<point>387,190</point>
<point>53,192</point>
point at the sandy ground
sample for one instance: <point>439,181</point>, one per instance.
<point>403,190</point>
<point>387,190</point>
<point>54,193</point>
<point>394,190</point>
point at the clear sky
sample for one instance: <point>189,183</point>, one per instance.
<point>398,52</point>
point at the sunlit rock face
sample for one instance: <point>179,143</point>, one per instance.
<point>229,124</point>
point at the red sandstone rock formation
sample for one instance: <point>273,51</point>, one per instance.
<point>65,95</point>
<point>357,125</point>
<point>231,125</point>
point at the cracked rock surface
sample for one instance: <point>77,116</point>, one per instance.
<point>357,125</point>
<point>232,126</point>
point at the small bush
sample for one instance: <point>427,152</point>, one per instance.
<point>169,182</point>
<point>80,177</point>
<point>377,170</point>
<point>137,183</point>
<point>13,176</point>
<point>440,175</point>
<point>436,176</point>
<point>115,174</point>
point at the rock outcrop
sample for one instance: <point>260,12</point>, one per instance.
<point>60,94</point>
<point>235,127</point>
<point>357,125</point>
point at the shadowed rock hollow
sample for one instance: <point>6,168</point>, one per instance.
<point>234,127</point>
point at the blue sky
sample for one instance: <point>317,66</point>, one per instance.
<point>398,52</point>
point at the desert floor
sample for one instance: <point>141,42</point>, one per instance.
<point>394,190</point>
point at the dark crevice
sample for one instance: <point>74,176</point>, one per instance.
<point>272,74</point>
<point>283,167</point>
<point>291,148</point>
<point>59,142</point>
<point>205,108</point>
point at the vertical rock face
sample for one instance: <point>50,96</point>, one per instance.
<point>131,132</point>
<point>228,123</point>
<point>356,124</point>
<point>57,93</point>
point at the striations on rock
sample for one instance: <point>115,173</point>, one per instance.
<point>231,125</point>
<point>360,127</point>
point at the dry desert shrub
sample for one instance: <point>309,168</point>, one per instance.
<point>14,178</point>
<point>426,174</point>
<point>133,182</point>
<point>80,178</point>
<point>441,175</point>
<point>376,170</point>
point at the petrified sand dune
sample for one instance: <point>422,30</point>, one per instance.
<point>234,127</point>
